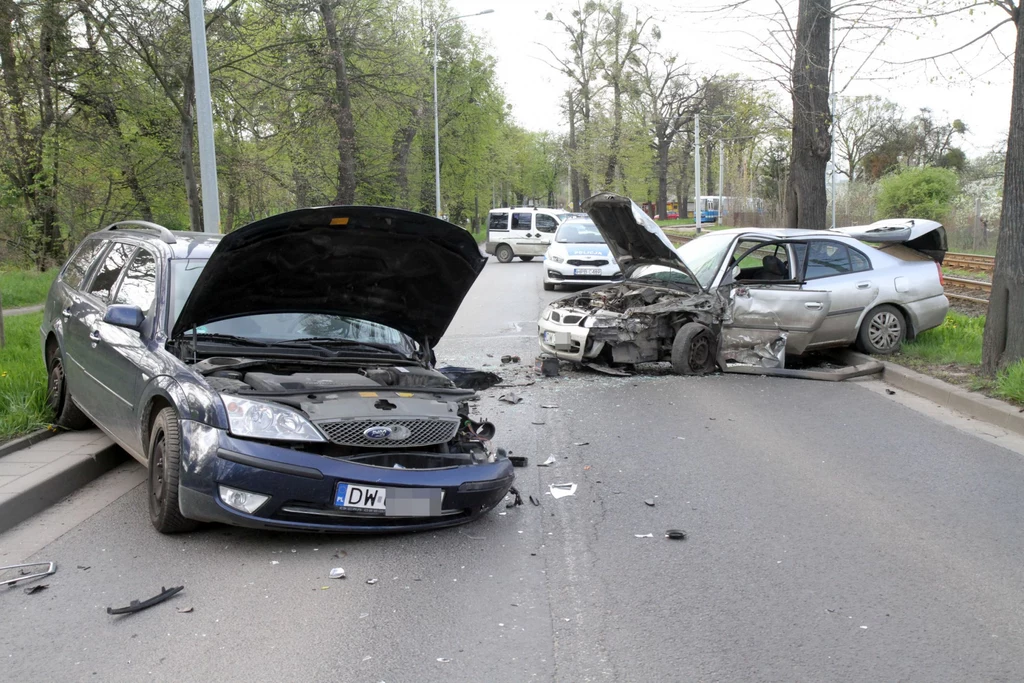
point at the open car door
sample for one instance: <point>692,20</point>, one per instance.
<point>768,318</point>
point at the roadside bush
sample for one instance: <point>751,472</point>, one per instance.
<point>918,193</point>
<point>1010,383</point>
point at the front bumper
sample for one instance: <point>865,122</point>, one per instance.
<point>302,486</point>
<point>565,274</point>
<point>566,341</point>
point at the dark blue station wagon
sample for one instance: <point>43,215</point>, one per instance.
<point>281,376</point>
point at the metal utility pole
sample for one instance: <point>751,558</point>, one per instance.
<point>204,118</point>
<point>437,136</point>
<point>832,124</point>
<point>696,167</point>
<point>721,177</point>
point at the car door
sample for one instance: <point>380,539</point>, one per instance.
<point>120,356</point>
<point>766,318</point>
<point>98,398</point>
<point>75,309</point>
<point>525,240</point>
<point>846,274</point>
<point>545,225</point>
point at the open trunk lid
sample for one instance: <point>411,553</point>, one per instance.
<point>920,235</point>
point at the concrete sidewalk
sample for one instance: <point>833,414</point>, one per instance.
<point>33,478</point>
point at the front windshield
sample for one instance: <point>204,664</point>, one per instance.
<point>279,327</point>
<point>704,256</point>
<point>579,232</point>
<point>661,274</point>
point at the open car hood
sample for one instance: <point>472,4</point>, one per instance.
<point>632,236</point>
<point>402,269</point>
<point>925,236</point>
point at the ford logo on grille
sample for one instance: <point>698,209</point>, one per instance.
<point>377,433</point>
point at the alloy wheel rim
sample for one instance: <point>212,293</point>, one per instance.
<point>885,330</point>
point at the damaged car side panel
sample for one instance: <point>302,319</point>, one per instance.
<point>763,324</point>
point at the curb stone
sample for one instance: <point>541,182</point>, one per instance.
<point>972,404</point>
<point>27,440</point>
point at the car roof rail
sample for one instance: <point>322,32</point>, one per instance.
<point>165,235</point>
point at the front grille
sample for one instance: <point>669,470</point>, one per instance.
<point>572,319</point>
<point>581,262</point>
<point>421,432</point>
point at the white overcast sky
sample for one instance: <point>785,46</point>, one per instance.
<point>980,95</point>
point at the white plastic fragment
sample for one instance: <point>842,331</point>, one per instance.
<point>549,462</point>
<point>644,535</point>
<point>337,573</point>
<point>562,490</point>
<point>444,660</point>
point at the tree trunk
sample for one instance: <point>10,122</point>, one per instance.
<point>341,106</point>
<point>188,161</point>
<point>3,337</point>
<point>400,149</point>
<point>613,146</point>
<point>1003,343</point>
<point>661,169</point>
<point>806,200</point>
<point>574,174</point>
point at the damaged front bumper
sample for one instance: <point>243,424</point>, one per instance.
<point>567,341</point>
<point>301,486</point>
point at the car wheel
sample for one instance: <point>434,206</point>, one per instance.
<point>164,463</point>
<point>882,331</point>
<point>66,414</point>
<point>504,253</point>
<point>526,258</point>
<point>549,286</point>
<point>693,351</point>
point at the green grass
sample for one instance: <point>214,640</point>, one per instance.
<point>22,378</point>
<point>25,287</point>
<point>967,274</point>
<point>669,222</point>
<point>958,342</point>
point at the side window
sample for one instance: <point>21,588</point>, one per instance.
<point>138,288</point>
<point>498,221</point>
<point>117,258</point>
<point>859,261</point>
<point>762,261</point>
<point>546,223</point>
<point>78,266</point>
<point>522,221</point>
<point>826,259</point>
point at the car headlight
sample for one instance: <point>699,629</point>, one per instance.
<point>259,420</point>
<point>556,259</point>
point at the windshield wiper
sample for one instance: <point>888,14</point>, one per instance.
<point>229,338</point>
<point>327,342</point>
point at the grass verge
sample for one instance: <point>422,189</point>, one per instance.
<point>23,406</point>
<point>952,352</point>
<point>25,287</point>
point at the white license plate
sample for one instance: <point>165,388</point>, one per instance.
<point>360,497</point>
<point>587,271</point>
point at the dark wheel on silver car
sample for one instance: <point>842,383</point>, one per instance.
<point>882,331</point>
<point>693,351</point>
<point>526,258</point>
<point>65,413</point>
<point>164,464</point>
<point>504,253</point>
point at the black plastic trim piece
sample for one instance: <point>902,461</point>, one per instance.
<point>271,465</point>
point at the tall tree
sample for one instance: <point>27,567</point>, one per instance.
<point>623,38</point>
<point>806,200</point>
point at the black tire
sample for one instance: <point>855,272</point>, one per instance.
<point>549,286</point>
<point>164,463</point>
<point>693,350</point>
<point>504,253</point>
<point>526,258</point>
<point>883,331</point>
<point>65,413</point>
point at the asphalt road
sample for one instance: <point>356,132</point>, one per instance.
<point>834,533</point>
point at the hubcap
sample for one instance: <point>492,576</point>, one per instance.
<point>885,331</point>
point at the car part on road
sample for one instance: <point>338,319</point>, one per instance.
<point>511,398</point>
<point>468,378</point>
<point>562,490</point>
<point>644,535</point>
<point>535,501</point>
<point>649,502</point>
<point>138,606</point>
<point>185,610</point>
<point>51,567</point>
<point>604,369</point>
<point>849,365</point>
<point>337,573</point>
<point>517,500</point>
<point>676,534</point>
<point>371,582</point>
<point>549,462</point>
<point>546,365</point>
<point>32,590</point>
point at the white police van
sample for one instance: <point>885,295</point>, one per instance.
<point>521,231</point>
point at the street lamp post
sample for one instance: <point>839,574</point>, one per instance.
<point>437,137</point>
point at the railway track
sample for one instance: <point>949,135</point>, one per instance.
<point>970,262</point>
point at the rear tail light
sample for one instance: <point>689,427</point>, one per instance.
<point>942,280</point>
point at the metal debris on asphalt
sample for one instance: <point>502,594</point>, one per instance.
<point>517,500</point>
<point>84,568</point>
<point>534,501</point>
<point>519,460</point>
<point>337,573</point>
<point>562,490</point>
<point>36,588</point>
<point>371,581</point>
<point>184,610</point>
<point>676,534</point>
<point>444,660</point>
<point>644,535</point>
<point>510,398</point>
<point>649,502</point>
<point>138,606</point>
<point>549,406</point>
<point>549,462</point>
<point>538,423</point>
<point>581,443</point>
<point>23,575</point>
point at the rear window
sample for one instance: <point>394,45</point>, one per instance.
<point>78,266</point>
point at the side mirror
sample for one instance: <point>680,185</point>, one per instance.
<point>121,315</point>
